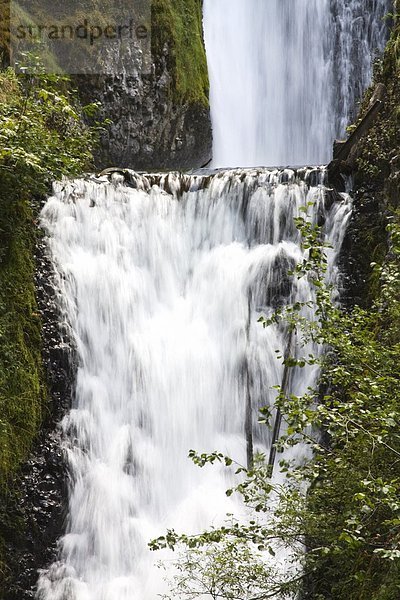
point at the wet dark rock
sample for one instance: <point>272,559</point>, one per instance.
<point>364,243</point>
<point>36,506</point>
<point>274,286</point>
<point>150,129</point>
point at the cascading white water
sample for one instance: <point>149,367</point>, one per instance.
<point>285,75</point>
<point>361,31</point>
<point>161,285</point>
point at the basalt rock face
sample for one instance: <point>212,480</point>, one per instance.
<point>364,243</point>
<point>149,129</point>
<point>160,117</point>
<point>35,507</point>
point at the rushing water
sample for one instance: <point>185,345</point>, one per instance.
<point>161,286</point>
<point>285,75</point>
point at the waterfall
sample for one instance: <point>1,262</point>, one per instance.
<point>161,280</point>
<point>285,75</point>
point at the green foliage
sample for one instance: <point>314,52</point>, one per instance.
<point>42,138</point>
<point>227,569</point>
<point>177,25</point>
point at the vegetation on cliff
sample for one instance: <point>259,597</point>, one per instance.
<point>383,141</point>
<point>358,506</point>
<point>177,24</point>
<point>42,138</point>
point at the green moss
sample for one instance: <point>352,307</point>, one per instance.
<point>42,138</point>
<point>22,391</point>
<point>22,380</point>
<point>177,25</point>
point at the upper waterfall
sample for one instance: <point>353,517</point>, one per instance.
<point>285,75</point>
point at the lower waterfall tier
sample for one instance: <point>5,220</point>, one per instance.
<point>161,280</point>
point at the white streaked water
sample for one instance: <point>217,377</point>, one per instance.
<point>285,75</point>
<point>161,286</point>
<point>361,32</point>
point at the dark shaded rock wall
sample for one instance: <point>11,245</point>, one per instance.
<point>149,129</point>
<point>34,506</point>
<point>161,119</point>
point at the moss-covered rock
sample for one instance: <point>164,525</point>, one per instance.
<point>177,25</point>
<point>42,137</point>
<point>22,392</point>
